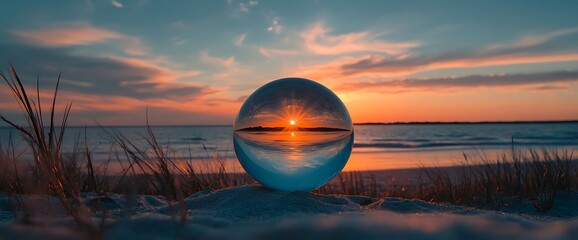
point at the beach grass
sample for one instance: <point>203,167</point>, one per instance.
<point>52,172</point>
<point>538,176</point>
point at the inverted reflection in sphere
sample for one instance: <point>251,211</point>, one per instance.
<point>293,134</point>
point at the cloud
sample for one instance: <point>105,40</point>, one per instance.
<point>104,76</point>
<point>532,40</point>
<point>275,26</point>
<point>271,52</point>
<point>223,62</point>
<point>230,65</point>
<point>178,40</point>
<point>113,90</point>
<point>239,40</point>
<point>217,101</point>
<point>539,81</point>
<point>178,25</point>
<point>117,110</point>
<point>523,51</point>
<point>134,46</point>
<point>404,65</point>
<point>163,74</point>
<point>67,35</point>
<point>318,40</point>
<point>378,66</point>
<point>117,4</point>
<point>243,6</point>
<point>79,33</point>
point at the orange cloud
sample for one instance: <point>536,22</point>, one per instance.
<point>550,80</point>
<point>526,50</point>
<point>162,74</point>
<point>373,66</point>
<point>271,52</point>
<point>318,41</point>
<point>71,34</point>
<point>125,110</point>
<point>232,67</point>
<point>100,85</point>
<point>408,65</point>
<point>224,62</point>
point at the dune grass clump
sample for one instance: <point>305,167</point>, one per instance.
<point>538,176</point>
<point>53,173</point>
<point>153,168</point>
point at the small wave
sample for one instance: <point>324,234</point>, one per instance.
<point>194,139</point>
<point>402,140</point>
<point>423,140</point>
<point>385,145</point>
<point>545,137</point>
<point>480,139</point>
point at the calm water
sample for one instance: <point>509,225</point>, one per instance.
<point>375,147</point>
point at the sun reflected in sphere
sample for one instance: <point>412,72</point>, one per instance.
<point>293,134</point>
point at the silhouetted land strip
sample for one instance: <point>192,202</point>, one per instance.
<point>279,129</point>
<point>457,122</point>
<point>261,129</point>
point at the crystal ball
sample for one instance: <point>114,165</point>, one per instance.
<point>293,134</point>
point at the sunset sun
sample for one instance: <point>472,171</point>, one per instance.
<point>292,122</point>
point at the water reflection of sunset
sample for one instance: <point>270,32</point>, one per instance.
<point>282,139</point>
<point>288,152</point>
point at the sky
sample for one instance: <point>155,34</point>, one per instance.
<point>195,62</point>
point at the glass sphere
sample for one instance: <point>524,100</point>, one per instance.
<point>293,134</point>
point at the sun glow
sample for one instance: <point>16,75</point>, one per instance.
<point>292,122</point>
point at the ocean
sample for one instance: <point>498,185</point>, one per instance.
<point>375,146</point>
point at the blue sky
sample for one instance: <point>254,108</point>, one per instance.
<point>194,62</point>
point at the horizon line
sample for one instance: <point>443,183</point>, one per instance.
<point>358,123</point>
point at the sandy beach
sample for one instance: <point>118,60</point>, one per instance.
<point>253,212</point>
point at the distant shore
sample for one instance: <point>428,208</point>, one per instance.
<point>460,122</point>
<point>359,123</point>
